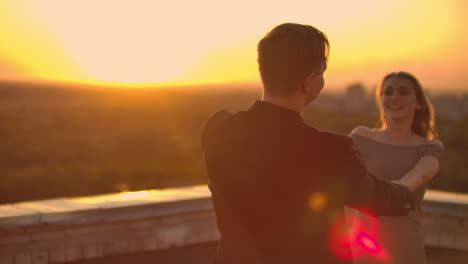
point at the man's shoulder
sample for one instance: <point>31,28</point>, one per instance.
<point>220,116</point>
<point>215,122</point>
<point>330,142</point>
<point>333,149</point>
<point>333,138</point>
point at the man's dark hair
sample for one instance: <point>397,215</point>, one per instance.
<point>287,54</point>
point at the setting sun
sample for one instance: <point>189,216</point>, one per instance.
<point>186,42</point>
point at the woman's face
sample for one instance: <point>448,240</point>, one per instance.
<point>399,99</point>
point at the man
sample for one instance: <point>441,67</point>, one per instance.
<point>279,187</point>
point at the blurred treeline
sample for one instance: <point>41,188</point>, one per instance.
<point>59,141</point>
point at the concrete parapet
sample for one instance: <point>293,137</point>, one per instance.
<point>446,220</point>
<point>65,230</point>
<point>84,228</point>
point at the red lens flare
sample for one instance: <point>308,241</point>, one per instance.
<point>356,235</point>
<point>368,243</point>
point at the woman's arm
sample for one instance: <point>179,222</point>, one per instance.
<point>424,171</point>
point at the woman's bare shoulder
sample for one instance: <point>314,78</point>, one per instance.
<point>430,142</point>
<point>364,131</point>
<point>435,142</point>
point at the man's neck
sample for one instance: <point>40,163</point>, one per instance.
<point>290,102</point>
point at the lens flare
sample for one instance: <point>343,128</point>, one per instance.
<point>339,242</point>
<point>356,235</point>
<point>368,242</point>
<point>318,201</point>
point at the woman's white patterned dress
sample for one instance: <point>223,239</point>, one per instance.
<point>399,239</point>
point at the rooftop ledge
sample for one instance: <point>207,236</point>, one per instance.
<point>111,225</point>
<point>105,207</point>
<point>151,203</point>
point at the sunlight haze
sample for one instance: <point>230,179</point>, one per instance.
<point>200,42</point>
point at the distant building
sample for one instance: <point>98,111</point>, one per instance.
<point>356,99</point>
<point>328,101</point>
<point>452,107</point>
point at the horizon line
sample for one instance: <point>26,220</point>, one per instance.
<point>195,85</point>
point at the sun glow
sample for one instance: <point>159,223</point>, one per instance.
<point>187,42</point>
<point>29,45</point>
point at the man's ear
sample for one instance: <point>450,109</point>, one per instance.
<point>308,84</point>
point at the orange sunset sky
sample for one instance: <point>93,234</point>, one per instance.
<point>160,42</point>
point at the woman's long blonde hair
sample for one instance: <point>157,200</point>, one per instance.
<point>424,118</point>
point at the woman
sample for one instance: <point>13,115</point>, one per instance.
<point>406,134</point>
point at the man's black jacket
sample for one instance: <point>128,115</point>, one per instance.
<point>267,168</point>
